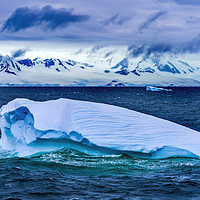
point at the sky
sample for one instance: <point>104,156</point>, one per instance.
<point>145,26</point>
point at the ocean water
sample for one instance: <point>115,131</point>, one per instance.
<point>69,174</point>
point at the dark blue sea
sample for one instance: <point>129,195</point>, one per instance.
<point>69,174</point>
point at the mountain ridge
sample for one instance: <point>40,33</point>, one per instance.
<point>127,71</point>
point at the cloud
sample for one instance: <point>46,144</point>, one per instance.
<point>136,51</point>
<point>151,20</point>
<point>136,22</point>
<point>193,46</point>
<point>96,48</point>
<point>46,17</point>
<point>116,19</point>
<point>146,51</point>
<point>187,2</point>
<point>18,53</point>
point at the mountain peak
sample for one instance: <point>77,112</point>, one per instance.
<point>100,71</point>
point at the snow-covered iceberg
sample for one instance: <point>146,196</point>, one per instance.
<point>29,127</point>
<point>156,89</point>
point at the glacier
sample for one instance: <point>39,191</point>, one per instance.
<point>100,68</point>
<point>29,127</point>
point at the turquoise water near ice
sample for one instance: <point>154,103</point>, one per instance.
<point>69,174</point>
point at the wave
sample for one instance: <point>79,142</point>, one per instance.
<point>76,162</point>
<point>30,127</point>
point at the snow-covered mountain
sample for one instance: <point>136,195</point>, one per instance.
<point>99,67</point>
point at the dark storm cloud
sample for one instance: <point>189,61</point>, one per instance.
<point>193,46</point>
<point>116,19</point>
<point>154,26</point>
<point>18,53</point>
<point>146,51</point>
<point>151,20</point>
<point>47,17</point>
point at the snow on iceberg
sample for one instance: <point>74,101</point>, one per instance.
<point>156,89</point>
<point>29,127</point>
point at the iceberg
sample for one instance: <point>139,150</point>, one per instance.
<point>156,89</point>
<point>29,127</point>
